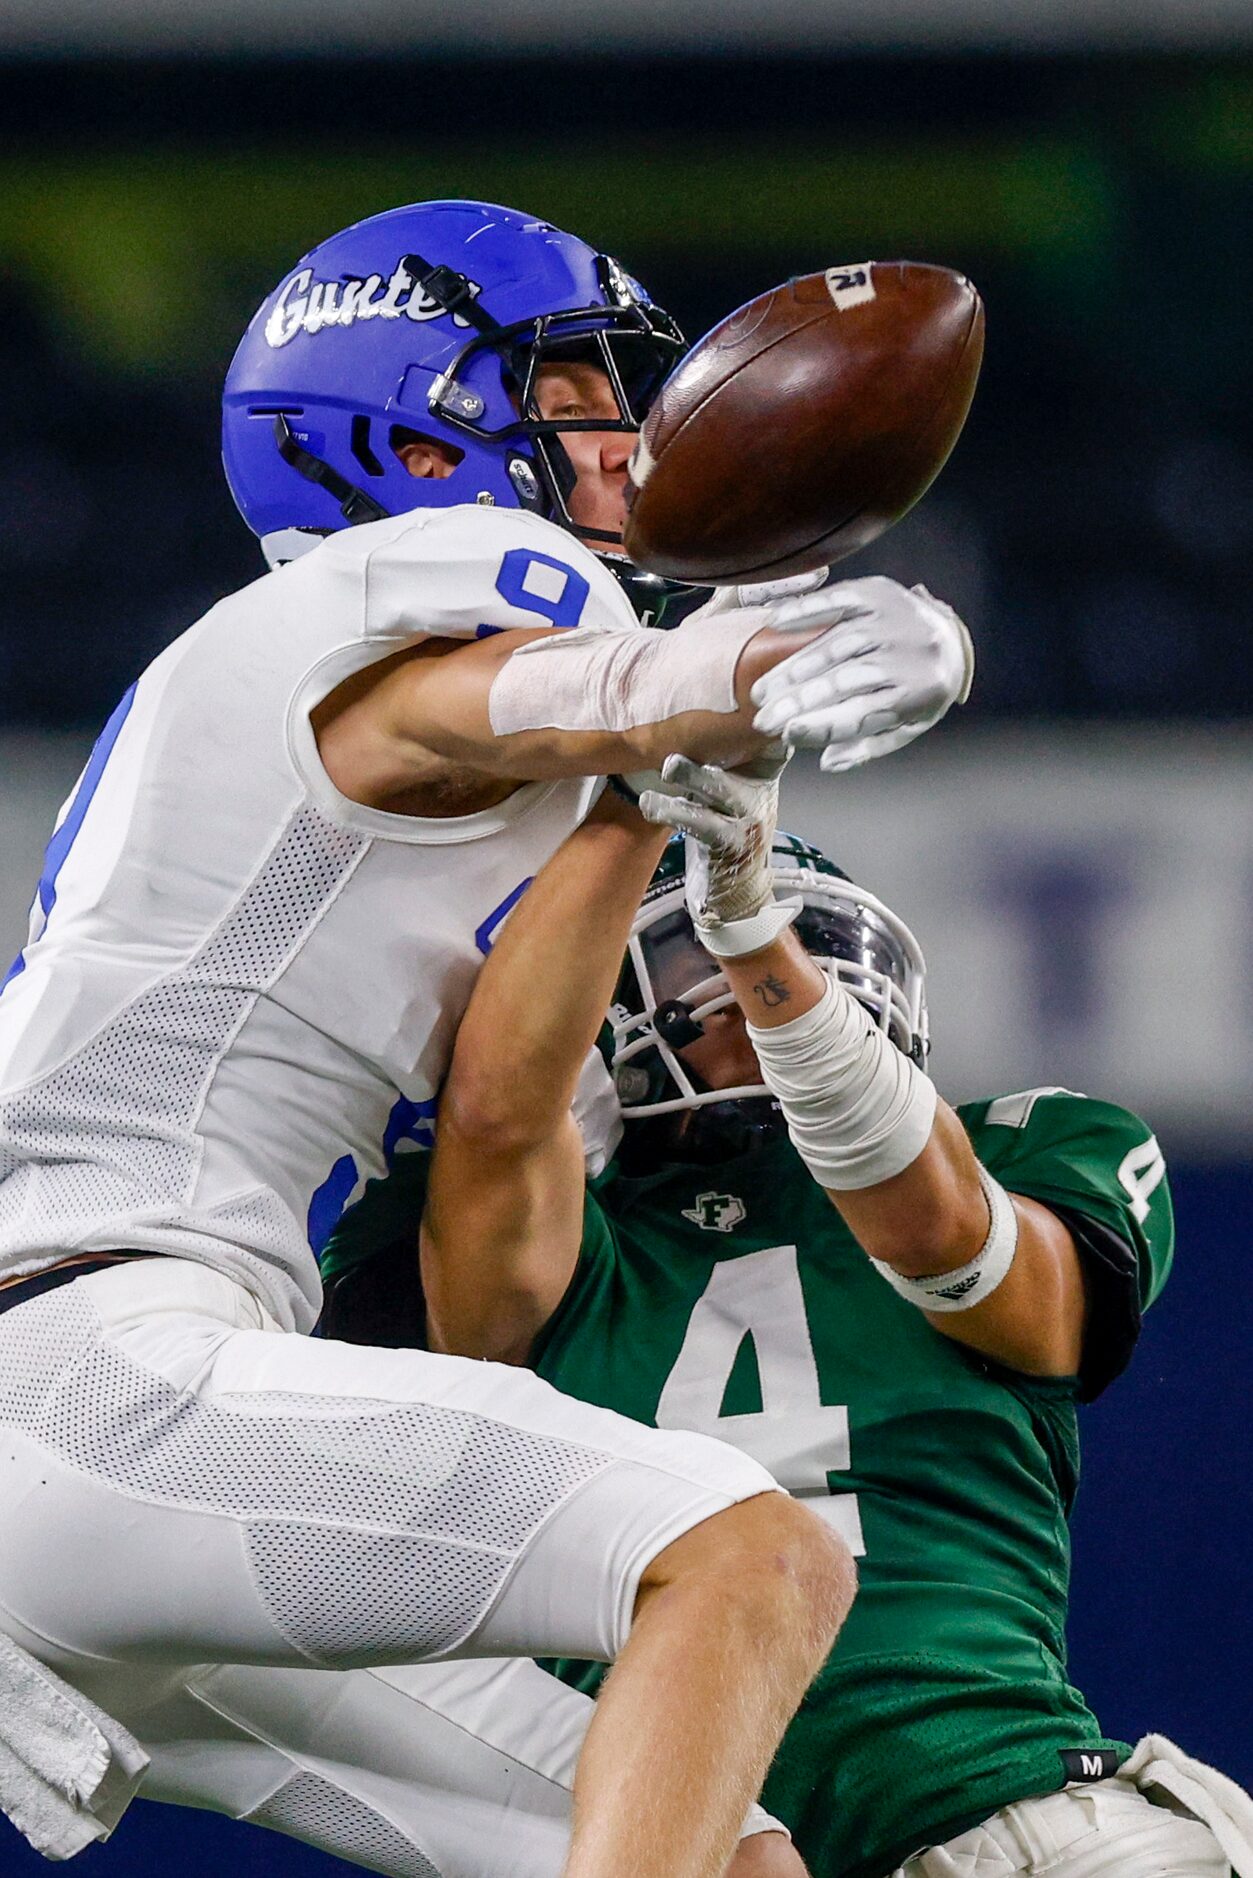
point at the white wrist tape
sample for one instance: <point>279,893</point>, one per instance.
<point>858,1111</point>
<point>594,680</point>
<point>976,1280</point>
<point>734,937</point>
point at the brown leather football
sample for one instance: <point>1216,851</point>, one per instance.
<point>805,424</point>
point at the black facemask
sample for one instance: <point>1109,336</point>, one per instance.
<point>655,600</point>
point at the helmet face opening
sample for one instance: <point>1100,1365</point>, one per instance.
<point>670,983</point>
<point>437,319</point>
<point>636,346</point>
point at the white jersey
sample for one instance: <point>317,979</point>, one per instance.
<point>240,991</point>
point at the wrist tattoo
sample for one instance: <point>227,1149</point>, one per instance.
<point>772,991</point>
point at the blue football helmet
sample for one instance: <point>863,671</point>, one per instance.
<point>429,320</point>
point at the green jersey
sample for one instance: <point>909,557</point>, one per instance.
<point>733,1300</point>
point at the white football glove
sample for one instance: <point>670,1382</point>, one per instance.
<point>759,592</point>
<point>885,671</point>
<point>756,594</point>
<point>729,819</point>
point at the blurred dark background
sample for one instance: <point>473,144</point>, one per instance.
<point>1094,524</point>
<point>1095,520</point>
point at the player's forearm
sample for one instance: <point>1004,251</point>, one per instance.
<point>935,1218</point>
<point>930,1218</point>
<point>933,1214</point>
<point>588,705</point>
<point>992,1271</point>
<point>776,984</point>
<point>542,995</point>
<point>504,1215</point>
<point>499,1241</point>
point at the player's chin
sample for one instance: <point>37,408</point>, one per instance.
<point>598,516</point>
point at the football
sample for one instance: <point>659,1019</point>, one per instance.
<point>804,424</point>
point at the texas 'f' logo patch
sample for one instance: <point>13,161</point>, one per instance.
<point>715,1212</point>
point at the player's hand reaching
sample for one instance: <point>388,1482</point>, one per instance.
<point>729,819</point>
<point>886,669</point>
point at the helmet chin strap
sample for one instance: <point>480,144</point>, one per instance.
<point>714,1131</point>
<point>702,1137</point>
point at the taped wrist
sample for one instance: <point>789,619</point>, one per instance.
<point>618,681</point>
<point>731,939</point>
<point>858,1111</point>
<point>971,1283</point>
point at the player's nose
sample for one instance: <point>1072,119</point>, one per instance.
<point>615,450</point>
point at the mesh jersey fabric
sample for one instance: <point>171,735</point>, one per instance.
<point>312,1808</point>
<point>947,1696</point>
<point>240,990</point>
<point>733,1299</point>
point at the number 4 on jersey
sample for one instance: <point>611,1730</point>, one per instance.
<point>798,1437</point>
<point>1140,1173</point>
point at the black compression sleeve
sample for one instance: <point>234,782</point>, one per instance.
<point>1111,1280</point>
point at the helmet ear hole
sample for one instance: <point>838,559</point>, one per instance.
<point>633,1083</point>
<point>360,445</point>
<point>401,438</point>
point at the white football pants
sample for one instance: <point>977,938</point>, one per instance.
<point>1104,1829</point>
<point>227,1536</point>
